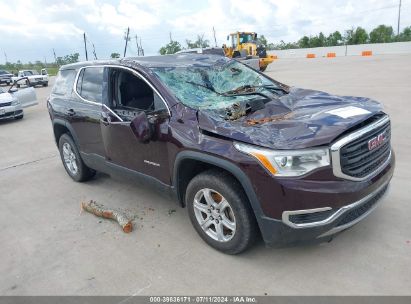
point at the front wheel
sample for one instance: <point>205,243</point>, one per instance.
<point>220,212</point>
<point>72,161</point>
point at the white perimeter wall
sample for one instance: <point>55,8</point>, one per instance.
<point>351,50</point>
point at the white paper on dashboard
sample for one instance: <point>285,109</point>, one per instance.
<point>349,111</point>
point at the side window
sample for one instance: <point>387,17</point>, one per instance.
<point>90,84</point>
<point>64,82</point>
<point>130,95</point>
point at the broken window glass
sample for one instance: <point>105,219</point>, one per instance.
<point>213,86</point>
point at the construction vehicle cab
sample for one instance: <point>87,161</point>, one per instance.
<point>244,44</point>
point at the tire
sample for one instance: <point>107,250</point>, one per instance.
<point>19,117</point>
<point>262,69</point>
<point>72,161</point>
<point>236,221</point>
<point>46,84</point>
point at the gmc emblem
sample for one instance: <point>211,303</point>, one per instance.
<point>376,141</point>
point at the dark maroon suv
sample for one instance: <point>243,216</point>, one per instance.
<point>245,154</point>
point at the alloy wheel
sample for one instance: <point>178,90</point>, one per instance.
<point>214,215</point>
<point>70,158</point>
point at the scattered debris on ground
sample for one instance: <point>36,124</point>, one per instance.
<point>171,211</point>
<point>99,210</point>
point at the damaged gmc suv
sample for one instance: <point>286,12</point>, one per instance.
<point>245,154</point>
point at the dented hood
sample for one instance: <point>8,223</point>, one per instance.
<point>300,119</point>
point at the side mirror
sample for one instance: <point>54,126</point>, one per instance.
<point>13,90</point>
<point>142,127</point>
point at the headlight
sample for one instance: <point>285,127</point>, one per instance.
<point>15,102</point>
<point>287,162</point>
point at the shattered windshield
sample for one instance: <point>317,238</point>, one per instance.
<point>214,86</point>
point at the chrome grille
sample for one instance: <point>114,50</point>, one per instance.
<point>352,157</point>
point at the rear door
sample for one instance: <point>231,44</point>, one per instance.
<point>85,111</point>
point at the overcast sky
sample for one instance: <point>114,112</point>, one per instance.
<point>30,29</point>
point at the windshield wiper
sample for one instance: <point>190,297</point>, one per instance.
<point>204,86</point>
<point>250,89</point>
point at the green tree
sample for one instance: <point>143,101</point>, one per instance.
<point>262,41</point>
<point>304,42</point>
<point>405,35</point>
<point>115,55</point>
<point>315,41</point>
<point>382,34</point>
<point>170,48</point>
<point>199,43</point>
<point>357,36</point>
<point>334,39</point>
<point>71,58</point>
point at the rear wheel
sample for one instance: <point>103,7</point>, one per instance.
<point>220,212</point>
<point>72,161</point>
<point>263,68</point>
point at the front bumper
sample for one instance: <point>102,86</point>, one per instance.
<point>5,80</point>
<point>319,224</point>
<point>10,112</point>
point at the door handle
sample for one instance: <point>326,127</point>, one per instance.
<point>71,112</point>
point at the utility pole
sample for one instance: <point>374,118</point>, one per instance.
<point>215,40</point>
<point>138,47</point>
<point>141,47</point>
<point>399,17</point>
<point>127,39</point>
<point>94,51</point>
<point>55,58</point>
<point>171,39</point>
<point>85,45</point>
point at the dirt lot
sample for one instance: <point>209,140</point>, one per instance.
<point>48,248</point>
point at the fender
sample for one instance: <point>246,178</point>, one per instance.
<point>61,122</point>
<point>221,163</point>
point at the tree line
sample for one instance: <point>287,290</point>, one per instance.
<point>52,67</point>
<point>380,34</point>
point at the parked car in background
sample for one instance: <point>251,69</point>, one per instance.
<point>246,154</point>
<point>12,102</point>
<point>5,77</point>
<point>31,78</point>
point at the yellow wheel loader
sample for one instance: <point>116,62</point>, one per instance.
<point>244,44</point>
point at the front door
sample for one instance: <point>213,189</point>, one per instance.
<point>129,95</point>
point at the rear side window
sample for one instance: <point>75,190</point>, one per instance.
<point>90,84</point>
<point>64,82</point>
